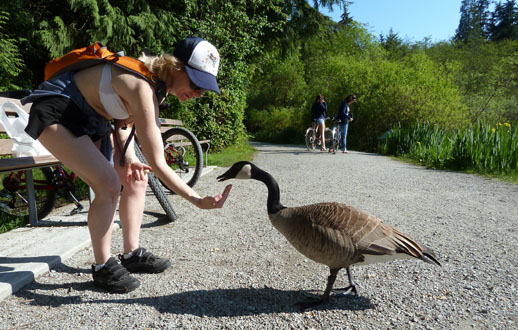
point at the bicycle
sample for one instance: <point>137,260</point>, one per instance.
<point>313,138</point>
<point>49,184</point>
<point>335,137</point>
<point>183,154</point>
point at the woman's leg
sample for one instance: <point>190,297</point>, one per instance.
<point>131,206</point>
<point>346,128</point>
<point>131,209</point>
<point>83,157</point>
<point>315,128</point>
<point>322,128</point>
<point>343,130</point>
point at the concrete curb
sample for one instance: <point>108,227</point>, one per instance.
<point>29,252</point>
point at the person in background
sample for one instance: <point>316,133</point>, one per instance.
<point>318,113</point>
<point>343,117</point>
<point>69,116</point>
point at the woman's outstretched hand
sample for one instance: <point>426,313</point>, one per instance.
<point>137,171</point>
<point>215,202</point>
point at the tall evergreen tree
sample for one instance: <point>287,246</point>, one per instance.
<point>504,21</point>
<point>391,41</point>
<point>346,18</point>
<point>10,62</point>
<point>474,20</point>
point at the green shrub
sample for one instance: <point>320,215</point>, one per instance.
<point>277,125</point>
<point>481,147</point>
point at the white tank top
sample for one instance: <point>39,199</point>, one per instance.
<point>110,100</point>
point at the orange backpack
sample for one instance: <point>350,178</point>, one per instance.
<point>97,53</point>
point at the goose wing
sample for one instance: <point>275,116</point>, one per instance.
<point>371,236</point>
<point>355,230</point>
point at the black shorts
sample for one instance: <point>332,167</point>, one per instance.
<point>50,110</point>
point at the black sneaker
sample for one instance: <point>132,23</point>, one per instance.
<point>144,262</point>
<point>114,278</point>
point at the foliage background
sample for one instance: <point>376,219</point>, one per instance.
<point>278,55</point>
<point>472,77</point>
<point>33,32</point>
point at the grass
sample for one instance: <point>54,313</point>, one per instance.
<point>484,149</point>
<point>231,155</point>
<point>8,223</point>
<point>508,177</point>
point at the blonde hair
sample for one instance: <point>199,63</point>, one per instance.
<point>163,66</point>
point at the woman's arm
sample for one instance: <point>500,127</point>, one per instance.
<point>143,106</point>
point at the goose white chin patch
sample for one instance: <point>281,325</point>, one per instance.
<point>245,173</point>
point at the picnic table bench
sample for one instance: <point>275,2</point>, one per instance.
<point>27,164</point>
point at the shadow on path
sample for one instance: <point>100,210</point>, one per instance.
<point>211,303</point>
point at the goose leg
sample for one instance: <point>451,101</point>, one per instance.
<point>351,289</point>
<point>313,302</point>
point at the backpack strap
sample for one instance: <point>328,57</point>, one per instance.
<point>161,107</point>
<point>128,140</point>
<point>97,53</point>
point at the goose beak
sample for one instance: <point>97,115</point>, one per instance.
<point>222,178</point>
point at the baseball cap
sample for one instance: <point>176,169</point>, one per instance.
<point>201,61</point>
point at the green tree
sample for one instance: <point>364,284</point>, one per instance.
<point>474,20</point>
<point>504,21</point>
<point>10,62</point>
<point>239,29</point>
<point>394,45</point>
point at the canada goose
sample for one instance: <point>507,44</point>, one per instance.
<point>333,234</point>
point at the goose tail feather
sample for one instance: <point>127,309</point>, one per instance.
<point>415,249</point>
<point>430,257</point>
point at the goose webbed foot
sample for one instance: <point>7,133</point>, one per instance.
<point>347,292</point>
<point>351,289</point>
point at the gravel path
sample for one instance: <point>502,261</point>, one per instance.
<point>233,270</point>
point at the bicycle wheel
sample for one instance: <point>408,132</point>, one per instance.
<point>328,135</point>
<point>183,154</point>
<point>14,197</point>
<point>335,142</point>
<point>156,187</point>
<point>310,140</point>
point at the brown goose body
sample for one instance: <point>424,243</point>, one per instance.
<point>333,234</point>
<point>338,235</point>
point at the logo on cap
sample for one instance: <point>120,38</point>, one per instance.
<point>214,60</point>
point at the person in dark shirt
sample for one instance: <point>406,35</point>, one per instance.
<point>318,113</point>
<point>343,117</point>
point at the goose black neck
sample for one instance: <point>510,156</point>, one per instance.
<point>273,203</point>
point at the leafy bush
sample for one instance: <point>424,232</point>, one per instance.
<point>47,29</point>
<point>390,90</point>
<point>277,125</point>
<point>10,62</point>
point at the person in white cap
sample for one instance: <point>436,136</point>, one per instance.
<point>69,117</point>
